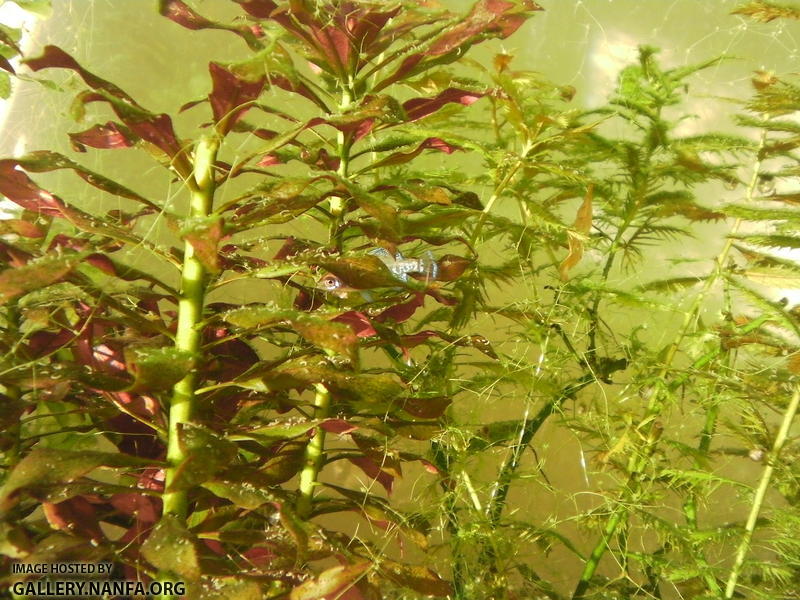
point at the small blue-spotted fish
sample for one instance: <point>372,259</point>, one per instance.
<point>399,266</point>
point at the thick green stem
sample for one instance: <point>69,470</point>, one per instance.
<point>315,449</point>
<point>190,313</point>
<point>315,454</point>
<point>761,492</point>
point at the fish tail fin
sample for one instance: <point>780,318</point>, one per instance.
<point>430,266</point>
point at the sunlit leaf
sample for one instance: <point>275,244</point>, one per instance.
<point>35,275</point>
<point>183,15</point>
<point>204,234</point>
<point>206,454</point>
<point>332,583</point>
<point>171,547</point>
<point>157,368</point>
<point>44,467</point>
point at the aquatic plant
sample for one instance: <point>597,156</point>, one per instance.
<point>366,429</point>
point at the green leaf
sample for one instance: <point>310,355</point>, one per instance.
<point>44,467</point>
<point>360,272</point>
<point>62,548</point>
<point>336,338</point>
<point>35,275</point>
<point>771,241</point>
<point>416,577</point>
<point>752,213</point>
<point>206,454</point>
<point>41,8</point>
<point>673,285</point>
<point>5,85</point>
<point>241,493</point>
<point>45,160</point>
<point>331,583</point>
<point>14,541</point>
<point>775,276</point>
<point>157,368</point>
<point>170,547</point>
<point>225,588</point>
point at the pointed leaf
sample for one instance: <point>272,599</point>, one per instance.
<point>232,95</point>
<point>419,108</point>
<point>108,136</point>
<point>76,515</point>
<point>332,583</point>
<point>399,158</point>
<point>35,275</point>
<point>44,467</point>
<point>204,234</point>
<point>180,13</point>
<point>157,369</point>
<point>206,454</point>
<point>416,577</point>
<point>171,547</point>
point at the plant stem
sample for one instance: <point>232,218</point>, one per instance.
<point>315,449</point>
<point>315,454</point>
<point>190,313</point>
<point>761,492</point>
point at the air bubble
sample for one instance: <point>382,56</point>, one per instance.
<point>766,185</point>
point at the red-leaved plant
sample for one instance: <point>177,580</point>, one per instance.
<point>187,438</point>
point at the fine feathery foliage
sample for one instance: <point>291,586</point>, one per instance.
<point>381,424</point>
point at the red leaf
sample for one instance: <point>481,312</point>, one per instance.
<point>359,322</point>
<point>337,426</point>
<point>102,262</point>
<point>402,312</point>
<point>146,509</point>
<point>18,187</point>
<point>260,9</point>
<point>417,108</point>
<point>269,160</point>
<point>6,66</point>
<point>231,95</point>
<point>373,471</point>
<point>156,129</point>
<point>46,342</point>
<point>487,16</point>
<point>106,136</point>
<point>403,157</point>
<point>76,516</point>
<point>231,357</point>
<point>180,13</point>
<point>24,228</point>
<point>204,236</point>
<point>55,57</point>
<point>451,267</point>
<point>34,275</point>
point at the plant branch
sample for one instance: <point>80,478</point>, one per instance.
<point>761,491</point>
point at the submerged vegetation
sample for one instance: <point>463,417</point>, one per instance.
<point>442,250</point>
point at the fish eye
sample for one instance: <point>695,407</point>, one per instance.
<point>330,282</point>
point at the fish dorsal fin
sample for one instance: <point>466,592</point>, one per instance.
<point>384,255</point>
